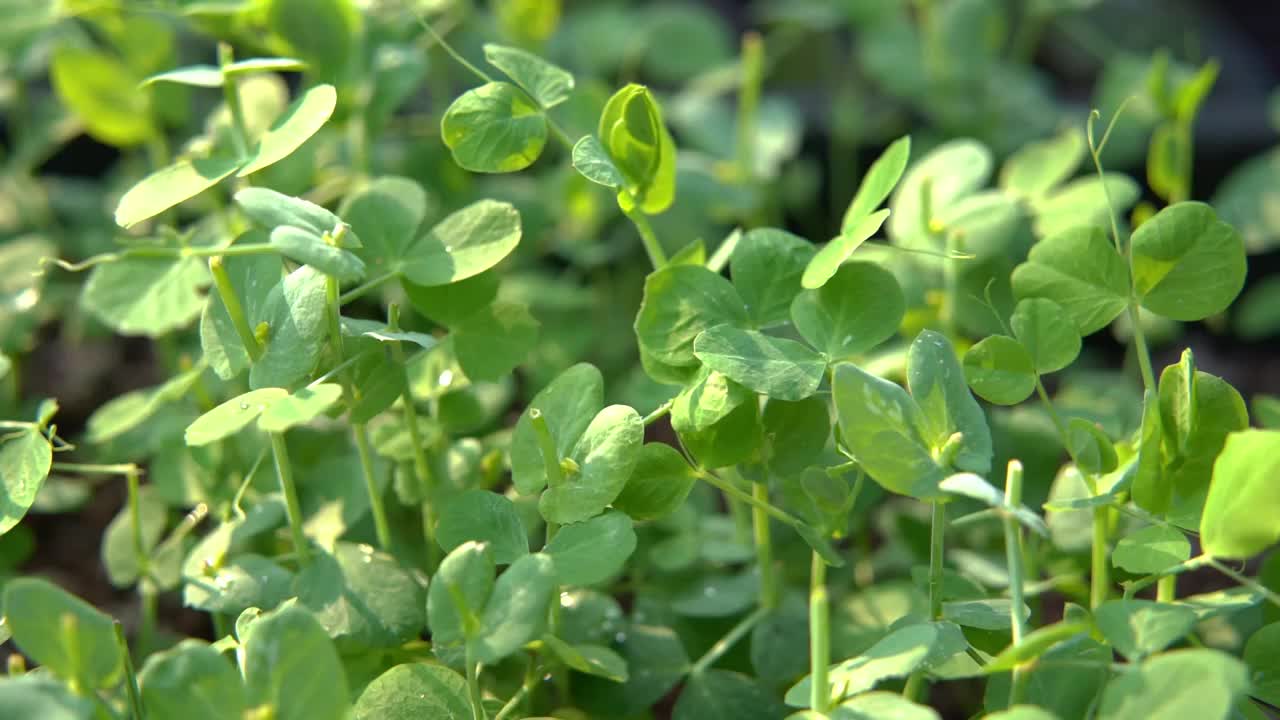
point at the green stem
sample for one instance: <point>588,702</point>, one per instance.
<point>951,283</point>
<point>1100,567</point>
<point>125,469</point>
<point>421,465</point>
<point>547,443</point>
<point>130,677</point>
<point>657,256</point>
<point>284,471</point>
<point>731,638</point>
<point>937,534</point>
<point>231,301</point>
<point>365,287</point>
<point>1266,592</point>
<point>1140,347</point>
<point>1014,562</point>
<point>135,522</point>
<point>473,688</point>
<point>752,80</point>
<point>737,493</point>
<point>819,636</point>
<point>231,92</point>
<point>769,586</point>
<point>1167,589</point>
<point>661,411</point>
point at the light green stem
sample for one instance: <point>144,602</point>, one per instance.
<point>231,301</point>
<point>769,587</point>
<point>284,472</point>
<point>726,643</point>
<point>231,92</point>
<point>130,677</point>
<point>1014,562</point>
<point>421,465</point>
<point>547,443</point>
<point>657,256</point>
<point>819,636</point>
<point>1167,589</point>
<point>752,81</point>
<point>937,534</point>
<point>473,688</point>
<point>1100,565</point>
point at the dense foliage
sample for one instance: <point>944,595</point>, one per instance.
<point>480,382</point>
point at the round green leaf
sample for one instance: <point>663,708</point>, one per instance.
<point>271,210</point>
<point>458,593</point>
<point>707,400</point>
<point>592,161</point>
<point>1080,270</point>
<point>1040,166</point>
<point>484,517</point>
<point>775,367</point>
<point>1138,628</point>
<point>568,405</point>
<point>516,612</point>
<point>766,267</point>
<point>192,680</point>
<point>1000,370</point>
<point>299,408</point>
<point>1262,653</point>
<point>668,321</point>
<point>1083,203</point>
<point>37,695</point>
<point>169,186</point>
<point>881,705</point>
<point>548,84</point>
<point>119,552</point>
<point>232,415</point>
<point>725,695</point>
<point>590,659</point>
<point>1151,550</point>
<point>413,691</point>
<point>883,427</point>
<point>828,260</point>
<point>606,455</point>
<point>465,243</point>
<point>659,484</point>
<point>62,632</point>
<point>450,304</point>
<point>895,655</point>
<point>143,296</point>
<point>291,666</point>
<point>495,128</point>
<point>985,614</point>
<point>1197,683</point>
<point>1090,448</point>
<point>306,247</point>
<point>1042,327</point>
<point>1244,499</point>
<point>296,315</point>
<point>1245,200</point>
<point>1187,264</point>
<point>491,342</point>
<point>592,551</point>
<point>362,597</point>
<point>858,308</point>
<point>937,385</point>
<point>25,460</point>
<point>247,581</point>
<point>325,33</point>
<point>299,122</point>
<point>103,93</point>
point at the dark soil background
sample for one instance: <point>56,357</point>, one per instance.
<point>1241,34</point>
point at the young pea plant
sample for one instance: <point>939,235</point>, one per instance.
<point>414,456</point>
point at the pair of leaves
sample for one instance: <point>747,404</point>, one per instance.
<point>502,127</point>
<point>1004,370</point>
<point>185,179</point>
<point>632,152</point>
<point>305,232</point>
<point>275,409</point>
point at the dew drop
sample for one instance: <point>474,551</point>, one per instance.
<point>620,638</point>
<point>709,591</point>
<point>244,406</point>
<point>445,378</point>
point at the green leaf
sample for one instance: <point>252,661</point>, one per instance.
<point>299,122</point>
<point>415,690</point>
<point>271,210</point>
<point>828,260</point>
<point>484,517</point>
<point>465,243</point>
<point>308,248</point>
<point>192,680</point>
<point>1080,270</point>
<point>126,412</point>
<point>1198,683</point>
<point>491,342</point>
<point>450,304</point>
<point>37,695</point>
<point>458,593</point>
<point>592,161</point>
<point>1000,370</point>
<point>1083,203</point>
<point>1041,166</point>
<point>25,459</point>
<point>725,695</point>
<point>776,367</point>
<point>670,319</point>
<point>1034,644</point>
<point>1023,712</point>
<point>232,415</point>
<point>385,215</point>
<point>883,427</point>
<point>516,612</point>
<point>876,185</point>
<point>295,312</point>
<point>206,76</point>
<point>149,297</point>
<point>766,267</point>
<point>948,172</point>
<point>797,433</point>
<point>253,277</point>
<point>605,455</point>
<point>937,385</point>
<point>635,138</point>
<point>119,551</point>
<point>1244,199</point>
<point>169,186</point>
<point>300,408</point>
<point>659,484</point>
<point>858,308</point>
<point>247,581</point>
<point>1051,343</point>
<point>103,93</point>
<point>1090,447</point>
<point>362,597</point>
<point>1244,499</point>
<point>568,404</point>
<point>495,128</point>
<point>882,705</point>
<point>62,632</point>
<point>325,33</point>
<point>1262,653</point>
<point>735,438</point>
<point>1187,264</point>
<point>1151,550</point>
<point>547,84</point>
<point>705,402</point>
<point>1138,628</point>
<point>985,614</point>
<point>291,666</point>
<point>592,551</point>
<point>894,656</point>
<point>590,659</point>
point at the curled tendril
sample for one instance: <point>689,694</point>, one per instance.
<point>46,262</point>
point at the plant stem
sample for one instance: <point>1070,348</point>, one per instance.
<point>1100,568</point>
<point>473,687</point>
<point>365,287</point>
<point>937,534</point>
<point>737,493</point>
<point>1266,592</point>
<point>231,92</point>
<point>752,79</point>
<point>130,677</point>
<point>661,411</point>
<point>230,301</point>
<point>1140,347</point>
<point>657,256</point>
<point>731,638</point>
<point>135,522</point>
<point>125,469</point>
<point>284,471</point>
<point>819,636</point>
<point>421,466</point>
<point>1014,561</point>
<point>769,587</point>
<point>547,443</point>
